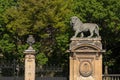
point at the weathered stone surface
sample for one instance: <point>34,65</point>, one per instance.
<point>86,59</point>
<point>80,27</point>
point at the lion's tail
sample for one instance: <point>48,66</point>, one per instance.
<point>97,27</point>
<point>97,30</point>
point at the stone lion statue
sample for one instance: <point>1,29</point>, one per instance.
<point>80,27</point>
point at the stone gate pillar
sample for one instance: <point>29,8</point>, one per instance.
<point>85,59</point>
<point>30,60</point>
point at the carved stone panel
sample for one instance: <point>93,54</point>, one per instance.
<point>86,68</point>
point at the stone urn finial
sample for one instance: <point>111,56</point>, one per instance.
<point>30,40</point>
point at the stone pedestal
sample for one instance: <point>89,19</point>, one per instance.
<point>85,59</point>
<point>30,64</point>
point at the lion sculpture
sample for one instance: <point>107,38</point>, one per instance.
<point>80,27</point>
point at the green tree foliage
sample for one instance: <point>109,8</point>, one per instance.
<point>46,20</point>
<point>32,16</point>
<point>105,13</point>
<point>41,59</point>
<point>7,46</point>
<point>5,4</point>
